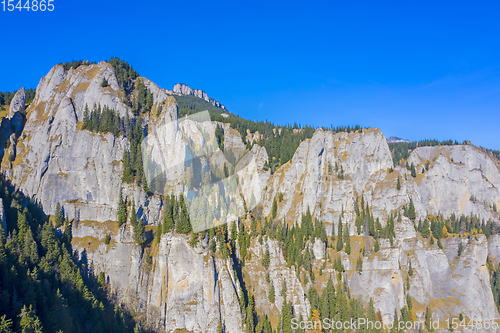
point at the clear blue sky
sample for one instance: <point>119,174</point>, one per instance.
<point>415,69</point>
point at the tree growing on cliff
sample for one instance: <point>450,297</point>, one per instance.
<point>266,260</point>
<point>183,225</point>
<point>274,209</point>
<point>122,210</point>
<point>398,186</point>
<point>413,171</point>
<point>59,215</point>
<point>272,293</point>
<point>138,227</point>
<point>340,234</point>
<point>168,221</point>
<point>411,210</point>
<point>359,265</point>
<point>347,239</point>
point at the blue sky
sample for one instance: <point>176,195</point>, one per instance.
<point>415,69</point>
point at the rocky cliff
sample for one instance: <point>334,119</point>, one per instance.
<point>175,286</point>
<point>182,89</point>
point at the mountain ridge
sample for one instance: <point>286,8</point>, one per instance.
<point>328,176</point>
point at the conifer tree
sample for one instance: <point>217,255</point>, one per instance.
<point>274,209</point>
<point>250,315</point>
<point>347,240</point>
<point>138,227</point>
<point>122,210</point>
<point>266,260</point>
<point>411,210</point>
<point>29,321</point>
<point>183,225</point>
<point>159,232</point>
<point>272,293</point>
<point>398,186</point>
<point>128,176</point>
<point>234,233</point>
<point>104,82</point>
<point>359,265</point>
<point>86,117</point>
<point>242,237</point>
<point>168,221</point>
<point>340,243</point>
<point>283,288</point>
<point>395,324</point>
<point>59,215</point>
<point>139,167</point>
<point>5,324</point>
<point>133,215</point>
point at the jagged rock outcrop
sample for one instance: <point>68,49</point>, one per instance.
<point>57,162</point>
<point>12,125</point>
<point>182,89</point>
<point>461,180</point>
<point>17,107</point>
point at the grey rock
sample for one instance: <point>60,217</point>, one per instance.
<point>18,102</point>
<point>456,174</point>
<point>183,89</point>
<point>2,217</point>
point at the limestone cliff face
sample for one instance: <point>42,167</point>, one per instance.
<point>182,89</point>
<point>448,283</point>
<point>460,180</point>
<point>180,287</point>
<point>456,174</point>
<point>56,162</point>
<point>279,274</point>
<point>309,180</point>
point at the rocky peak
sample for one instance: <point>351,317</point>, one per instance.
<point>18,102</point>
<point>182,89</point>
